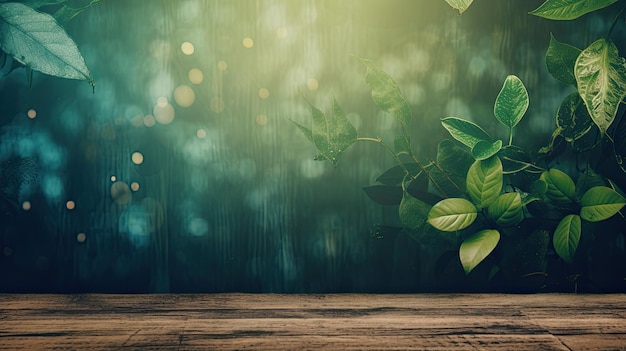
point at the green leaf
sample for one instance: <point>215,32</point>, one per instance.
<point>413,212</point>
<point>309,134</point>
<point>477,247</point>
<point>560,60</point>
<point>460,5</point>
<point>512,102</point>
<point>66,12</point>
<point>453,162</point>
<point>506,211</point>
<point>332,135</point>
<point>484,149</point>
<point>387,95</point>
<point>569,9</point>
<point>452,214</point>
<point>36,40</point>
<point>395,175</point>
<point>566,237</point>
<point>514,159</point>
<point>600,203</point>
<point>484,181</point>
<point>468,133</point>
<point>601,77</point>
<point>402,145</point>
<point>572,119</point>
<point>387,195</point>
<point>561,188</point>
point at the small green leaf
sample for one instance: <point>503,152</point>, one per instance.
<point>572,119</point>
<point>413,212</point>
<point>569,9</point>
<point>448,177</point>
<point>460,5</point>
<point>468,133</point>
<point>566,237</point>
<point>66,12</point>
<point>506,211</point>
<point>477,247</point>
<point>37,41</point>
<point>600,203</point>
<point>452,214</point>
<point>514,159</point>
<point>387,95</point>
<point>484,149</point>
<point>387,195</point>
<point>484,181</point>
<point>560,60</point>
<point>561,187</point>
<point>512,102</point>
<point>601,77</point>
<point>332,135</point>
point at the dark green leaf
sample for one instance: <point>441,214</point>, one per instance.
<point>514,159</point>
<point>468,133</point>
<point>572,119</point>
<point>387,195</point>
<point>453,162</point>
<point>387,95</point>
<point>560,60</point>
<point>413,213</point>
<point>397,174</point>
<point>484,149</point>
<point>569,9</point>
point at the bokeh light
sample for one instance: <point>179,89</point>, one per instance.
<point>264,93</point>
<point>312,84</point>
<point>120,192</point>
<point>137,157</point>
<point>163,112</point>
<point>81,237</point>
<point>31,113</point>
<point>187,48</point>
<point>201,133</point>
<point>217,104</point>
<point>149,121</point>
<point>248,43</point>
<point>195,76</point>
<point>26,205</point>
<point>134,186</point>
<point>261,119</point>
<point>184,96</point>
<point>70,205</point>
<point>222,66</point>
<point>113,178</point>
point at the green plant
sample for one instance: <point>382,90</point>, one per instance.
<point>491,193</point>
<point>37,40</point>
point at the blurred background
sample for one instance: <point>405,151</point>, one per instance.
<point>183,172</point>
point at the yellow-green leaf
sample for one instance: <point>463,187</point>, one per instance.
<point>452,214</point>
<point>566,237</point>
<point>477,247</point>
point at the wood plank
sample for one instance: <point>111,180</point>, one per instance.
<point>329,322</point>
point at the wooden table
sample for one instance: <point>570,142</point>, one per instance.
<point>309,322</point>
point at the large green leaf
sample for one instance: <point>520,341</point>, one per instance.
<point>600,203</point>
<point>413,212</point>
<point>395,175</point>
<point>468,133</point>
<point>601,77</point>
<point>561,187</point>
<point>560,60</point>
<point>332,135</point>
<point>452,214</point>
<point>484,181</point>
<point>566,237</point>
<point>569,9</point>
<point>512,102</point>
<point>387,95</point>
<point>460,5</point>
<point>36,40</point>
<point>506,211</point>
<point>572,119</point>
<point>387,195</point>
<point>477,247</point>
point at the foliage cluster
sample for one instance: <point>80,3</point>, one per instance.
<point>481,193</point>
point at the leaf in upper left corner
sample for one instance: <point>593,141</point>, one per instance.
<point>36,40</point>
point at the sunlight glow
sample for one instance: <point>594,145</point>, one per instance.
<point>137,157</point>
<point>70,205</point>
<point>81,237</point>
<point>264,93</point>
<point>26,205</point>
<point>184,96</point>
<point>248,43</point>
<point>163,112</point>
<point>195,76</point>
<point>187,48</point>
<point>31,113</point>
<point>134,186</point>
<point>312,84</point>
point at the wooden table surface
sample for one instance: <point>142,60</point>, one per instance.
<point>313,322</point>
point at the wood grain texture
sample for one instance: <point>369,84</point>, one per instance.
<point>308,322</point>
